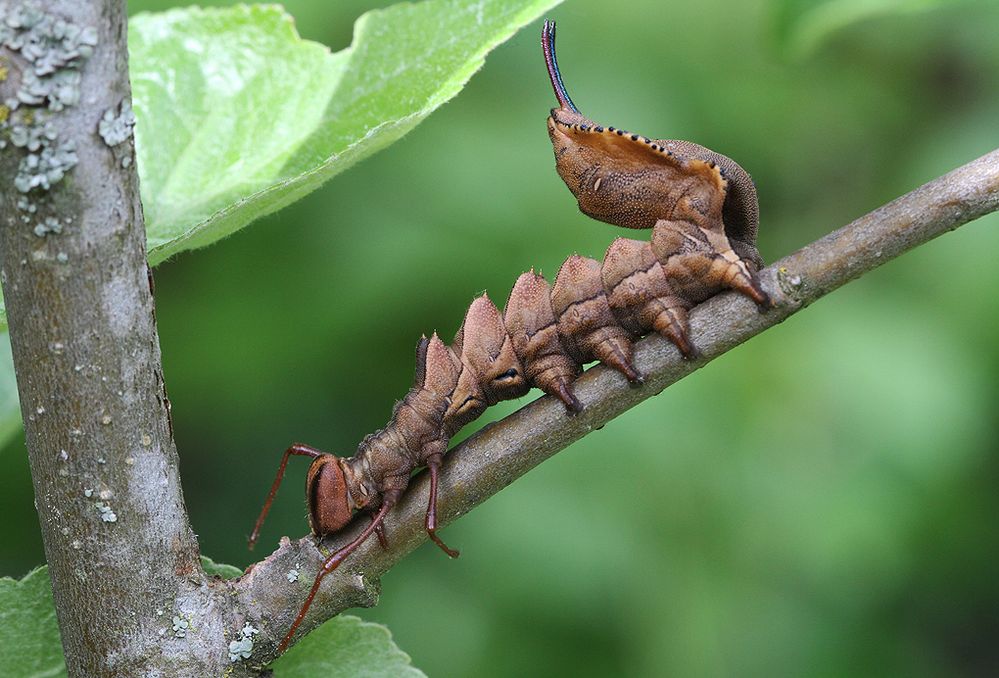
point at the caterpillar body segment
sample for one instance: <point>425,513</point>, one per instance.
<point>701,208</point>
<point>491,369</point>
<point>533,330</point>
<point>585,321</point>
<point>641,296</point>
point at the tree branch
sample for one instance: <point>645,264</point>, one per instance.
<point>121,554</point>
<point>501,452</point>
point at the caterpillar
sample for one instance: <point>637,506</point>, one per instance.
<point>703,212</point>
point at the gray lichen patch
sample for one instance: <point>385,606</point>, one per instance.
<point>54,47</point>
<point>25,205</point>
<point>242,648</point>
<point>115,128</point>
<point>58,91</point>
<point>49,225</point>
<point>180,627</point>
<point>47,167</point>
<point>106,513</point>
<point>32,136</point>
<point>54,50</point>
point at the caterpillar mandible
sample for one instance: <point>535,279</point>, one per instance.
<point>703,212</point>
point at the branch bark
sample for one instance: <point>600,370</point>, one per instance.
<point>122,556</point>
<point>502,452</point>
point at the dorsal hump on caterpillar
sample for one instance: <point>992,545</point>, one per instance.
<point>630,180</point>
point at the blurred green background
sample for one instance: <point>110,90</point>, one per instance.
<point>843,520</point>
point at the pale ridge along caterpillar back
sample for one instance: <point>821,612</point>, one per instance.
<point>702,209</point>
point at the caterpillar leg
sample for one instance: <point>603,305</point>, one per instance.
<point>703,275</point>
<point>556,383</point>
<point>738,277</point>
<point>333,562</point>
<point>725,270</point>
<point>699,262</point>
<point>530,322</point>
<point>671,322</point>
<point>296,449</point>
<point>585,321</point>
<point>434,467</point>
<point>748,253</point>
<point>613,347</point>
<point>380,533</point>
<point>640,295</point>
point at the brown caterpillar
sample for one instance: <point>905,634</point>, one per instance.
<point>703,212</point>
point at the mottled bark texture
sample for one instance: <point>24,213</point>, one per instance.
<point>122,557</point>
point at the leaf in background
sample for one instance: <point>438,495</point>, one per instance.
<point>346,646</point>
<point>224,99</point>
<point>803,25</point>
<point>10,410</point>
<point>219,569</point>
<point>30,644</point>
<point>237,116</point>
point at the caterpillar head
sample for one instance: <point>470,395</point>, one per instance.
<point>623,178</point>
<point>327,495</point>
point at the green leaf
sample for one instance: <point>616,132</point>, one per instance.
<point>224,100</point>
<point>10,410</point>
<point>349,647</point>
<point>30,644</point>
<point>219,569</point>
<point>237,116</point>
<point>803,25</point>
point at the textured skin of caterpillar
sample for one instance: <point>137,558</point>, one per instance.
<point>702,209</point>
<point>594,310</point>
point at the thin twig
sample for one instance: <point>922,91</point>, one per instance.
<point>502,452</point>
